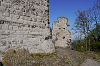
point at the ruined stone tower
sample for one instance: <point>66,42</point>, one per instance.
<point>25,23</point>
<point>61,33</point>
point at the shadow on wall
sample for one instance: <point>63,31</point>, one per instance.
<point>1,64</point>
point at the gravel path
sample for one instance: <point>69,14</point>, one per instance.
<point>77,58</point>
<point>90,62</point>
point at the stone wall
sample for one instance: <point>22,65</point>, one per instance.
<point>61,33</point>
<point>25,23</point>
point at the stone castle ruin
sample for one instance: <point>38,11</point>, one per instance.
<point>25,23</point>
<point>61,33</point>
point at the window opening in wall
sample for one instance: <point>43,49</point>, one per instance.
<point>28,25</point>
<point>64,37</point>
<point>69,40</point>
<point>59,28</point>
<point>1,22</point>
<point>24,11</point>
<point>47,5</point>
<point>46,10</point>
<point>63,28</point>
<point>24,6</point>
<point>48,22</point>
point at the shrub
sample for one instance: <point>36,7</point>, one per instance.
<point>95,46</point>
<point>79,47</point>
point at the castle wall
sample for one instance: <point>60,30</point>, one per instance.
<point>25,23</point>
<point>61,33</point>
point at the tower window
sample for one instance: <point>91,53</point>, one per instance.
<point>64,37</point>
<point>46,10</point>
<point>28,25</point>
<point>59,28</point>
<point>1,22</point>
<point>48,22</point>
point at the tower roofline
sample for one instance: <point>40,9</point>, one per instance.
<point>62,17</point>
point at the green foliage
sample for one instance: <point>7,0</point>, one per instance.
<point>94,35</point>
<point>79,46</point>
<point>91,42</point>
<point>95,46</point>
<point>15,51</point>
<point>43,55</point>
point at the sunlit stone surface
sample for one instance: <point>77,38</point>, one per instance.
<point>25,23</point>
<point>61,34</point>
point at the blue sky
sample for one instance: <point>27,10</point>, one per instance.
<point>67,8</point>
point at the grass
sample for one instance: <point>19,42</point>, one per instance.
<point>17,58</point>
<point>23,57</point>
<point>43,55</point>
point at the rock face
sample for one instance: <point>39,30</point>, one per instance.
<point>60,32</point>
<point>25,23</point>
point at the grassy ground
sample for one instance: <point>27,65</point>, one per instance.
<point>62,57</point>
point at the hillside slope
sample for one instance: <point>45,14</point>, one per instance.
<point>62,57</point>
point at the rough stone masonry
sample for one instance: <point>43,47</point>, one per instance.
<point>25,23</point>
<point>62,36</point>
